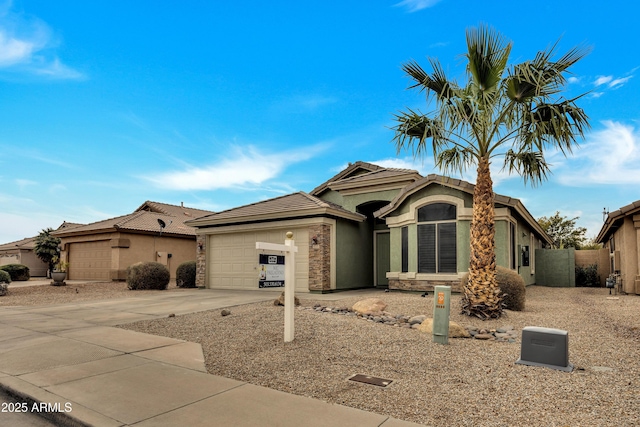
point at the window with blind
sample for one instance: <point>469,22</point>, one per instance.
<point>437,238</point>
<point>405,249</point>
<point>512,238</point>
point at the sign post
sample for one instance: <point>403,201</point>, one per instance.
<point>289,250</point>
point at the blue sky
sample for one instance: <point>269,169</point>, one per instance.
<point>106,104</point>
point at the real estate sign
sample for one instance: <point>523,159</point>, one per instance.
<point>271,271</point>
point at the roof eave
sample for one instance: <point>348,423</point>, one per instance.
<point>320,211</point>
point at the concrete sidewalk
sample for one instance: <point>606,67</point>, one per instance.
<point>70,362</point>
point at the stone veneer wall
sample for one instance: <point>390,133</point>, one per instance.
<point>423,285</point>
<point>201,260</point>
<point>320,258</point>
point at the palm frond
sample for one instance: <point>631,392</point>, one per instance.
<point>455,159</point>
<point>530,165</point>
<point>558,125</point>
<point>541,77</point>
<point>488,54</point>
<point>413,130</point>
<point>435,83</point>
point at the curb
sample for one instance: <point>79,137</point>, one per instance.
<point>58,418</point>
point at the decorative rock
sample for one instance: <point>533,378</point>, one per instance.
<point>280,300</point>
<point>455,330</point>
<point>505,334</point>
<point>225,312</point>
<point>369,305</point>
<point>417,319</point>
<point>4,288</point>
<point>485,336</point>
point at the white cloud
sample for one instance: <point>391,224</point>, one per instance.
<point>13,51</point>
<point>612,82</point>
<point>601,80</point>
<point>246,167</point>
<point>416,5</point>
<point>619,82</point>
<point>609,156</point>
<point>27,46</point>
<point>23,183</point>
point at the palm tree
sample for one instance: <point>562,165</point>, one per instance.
<point>502,110</point>
<point>47,248</point>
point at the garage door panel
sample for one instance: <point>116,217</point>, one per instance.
<point>90,260</point>
<point>233,259</point>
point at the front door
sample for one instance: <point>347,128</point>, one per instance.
<point>382,261</point>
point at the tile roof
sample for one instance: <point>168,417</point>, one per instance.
<point>614,220</point>
<point>466,187</point>
<point>354,169</point>
<point>172,210</point>
<point>30,242</point>
<point>145,220</point>
<point>387,175</point>
<point>288,206</point>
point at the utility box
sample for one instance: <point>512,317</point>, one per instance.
<point>545,347</point>
<point>441,309</point>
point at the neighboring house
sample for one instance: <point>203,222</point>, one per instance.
<point>620,234</point>
<point>368,226</point>
<point>103,250</point>
<point>22,252</point>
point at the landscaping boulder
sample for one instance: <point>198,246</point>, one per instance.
<point>455,330</point>
<point>280,300</point>
<point>4,288</point>
<point>369,305</point>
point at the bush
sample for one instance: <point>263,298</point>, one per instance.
<point>512,287</point>
<point>147,275</point>
<point>18,272</point>
<point>186,275</point>
<point>587,276</point>
<point>4,277</point>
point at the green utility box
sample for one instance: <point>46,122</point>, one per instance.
<point>441,308</point>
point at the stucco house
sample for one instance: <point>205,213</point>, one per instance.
<point>620,235</point>
<point>368,226</point>
<point>23,252</point>
<point>154,232</point>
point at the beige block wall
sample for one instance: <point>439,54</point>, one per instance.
<point>599,257</point>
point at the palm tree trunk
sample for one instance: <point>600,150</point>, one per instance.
<point>481,292</point>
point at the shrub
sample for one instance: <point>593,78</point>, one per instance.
<point>587,276</point>
<point>186,275</point>
<point>512,287</point>
<point>18,272</point>
<point>147,275</point>
<point>4,276</point>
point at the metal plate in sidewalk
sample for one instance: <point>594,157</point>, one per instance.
<point>366,379</point>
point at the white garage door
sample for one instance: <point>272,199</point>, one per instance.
<point>90,260</point>
<point>233,258</point>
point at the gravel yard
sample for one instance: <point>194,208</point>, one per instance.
<point>466,383</point>
<point>47,294</point>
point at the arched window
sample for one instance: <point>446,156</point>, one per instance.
<point>437,238</point>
